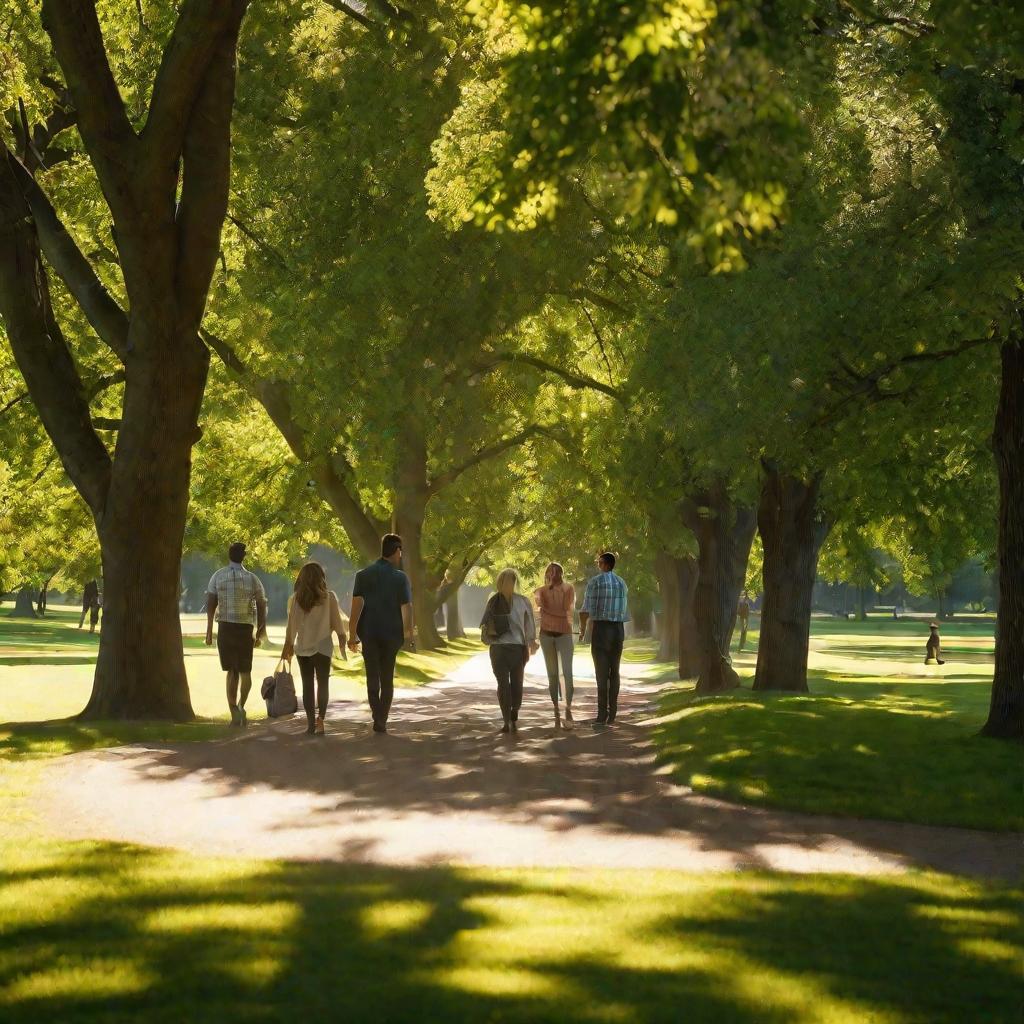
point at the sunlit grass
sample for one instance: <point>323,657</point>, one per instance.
<point>881,735</point>
<point>109,932</point>
<point>42,685</point>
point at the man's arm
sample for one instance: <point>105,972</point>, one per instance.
<point>353,623</point>
<point>211,608</point>
<point>407,621</point>
<point>584,617</point>
<point>261,612</point>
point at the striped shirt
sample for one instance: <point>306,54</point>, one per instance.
<point>237,591</point>
<point>604,600</point>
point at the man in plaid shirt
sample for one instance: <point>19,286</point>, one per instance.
<point>605,606</point>
<point>236,595</point>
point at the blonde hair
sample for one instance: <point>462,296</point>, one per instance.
<point>504,576</point>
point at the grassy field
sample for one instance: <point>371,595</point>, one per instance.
<point>46,669</point>
<point>105,933</point>
<point>881,735</point>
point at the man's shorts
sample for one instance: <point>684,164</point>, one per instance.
<point>234,645</point>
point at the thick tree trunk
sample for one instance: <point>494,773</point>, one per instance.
<point>689,636</point>
<point>792,532</point>
<point>1006,711</point>
<point>140,672</point>
<point>668,588</point>
<point>411,496</point>
<point>453,617</point>
<point>24,604</point>
<point>724,533</point>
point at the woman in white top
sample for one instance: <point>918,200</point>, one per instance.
<point>508,627</point>
<point>314,614</point>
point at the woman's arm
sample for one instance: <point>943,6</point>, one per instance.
<point>337,621</point>
<point>530,628</point>
<point>289,633</point>
<point>570,600</point>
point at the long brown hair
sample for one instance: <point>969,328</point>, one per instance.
<point>556,575</point>
<point>311,586</point>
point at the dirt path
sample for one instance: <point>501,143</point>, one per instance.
<point>443,786</point>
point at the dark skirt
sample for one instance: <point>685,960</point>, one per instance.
<point>234,645</point>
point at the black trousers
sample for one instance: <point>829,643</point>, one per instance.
<point>508,662</point>
<point>379,654</point>
<point>318,666</point>
<point>606,640</point>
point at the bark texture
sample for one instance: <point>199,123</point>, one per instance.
<point>1006,710</point>
<point>792,532</point>
<point>668,588</point>
<point>453,617</point>
<point>689,636</point>
<point>724,532</point>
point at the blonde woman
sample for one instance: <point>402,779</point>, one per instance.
<point>508,627</point>
<point>555,601</point>
<point>313,616</point>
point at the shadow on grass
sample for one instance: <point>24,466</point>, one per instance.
<point>904,753</point>
<point>21,740</point>
<point>116,934</point>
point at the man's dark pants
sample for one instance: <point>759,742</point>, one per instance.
<point>379,654</point>
<point>606,640</point>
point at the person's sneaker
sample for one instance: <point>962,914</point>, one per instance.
<point>310,729</point>
<point>242,720</point>
<point>515,725</point>
<point>379,727</point>
<point>506,727</point>
<point>236,718</point>
<point>598,721</point>
<point>319,727</point>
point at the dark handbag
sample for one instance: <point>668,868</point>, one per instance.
<point>497,618</point>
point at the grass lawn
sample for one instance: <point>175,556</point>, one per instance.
<point>105,933</point>
<point>46,669</point>
<point>881,735</point>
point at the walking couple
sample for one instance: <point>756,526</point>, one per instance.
<point>381,622</point>
<point>509,628</point>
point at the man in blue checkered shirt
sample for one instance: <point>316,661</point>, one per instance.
<point>605,607</point>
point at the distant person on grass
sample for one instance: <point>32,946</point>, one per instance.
<point>381,622</point>
<point>236,596</point>
<point>509,629</point>
<point>555,601</point>
<point>933,649</point>
<point>743,614</point>
<point>313,615</point>
<point>605,607</point>
<point>90,605</point>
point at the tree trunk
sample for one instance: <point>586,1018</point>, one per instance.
<point>792,532</point>
<point>724,533</point>
<point>862,611</point>
<point>1006,711</point>
<point>668,588</point>
<point>140,672</point>
<point>689,636</point>
<point>24,604</point>
<point>453,617</point>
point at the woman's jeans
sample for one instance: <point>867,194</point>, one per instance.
<point>320,665</point>
<point>555,648</point>
<point>508,661</point>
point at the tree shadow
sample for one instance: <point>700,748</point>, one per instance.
<point>114,933</point>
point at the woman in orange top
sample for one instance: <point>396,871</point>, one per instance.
<point>555,601</point>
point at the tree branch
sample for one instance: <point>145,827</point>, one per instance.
<point>196,44</point>
<point>333,474</point>
<point>450,475</point>
<point>206,159</point>
<point>576,380</point>
<point>351,12</point>
<point>74,31</point>
<point>40,350</point>
<point>107,318</point>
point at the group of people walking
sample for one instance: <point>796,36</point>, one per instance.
<point>381,624</point>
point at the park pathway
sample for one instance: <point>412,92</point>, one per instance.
<point>444,787</point>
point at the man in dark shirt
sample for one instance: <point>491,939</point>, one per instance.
<point>381,621</point>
